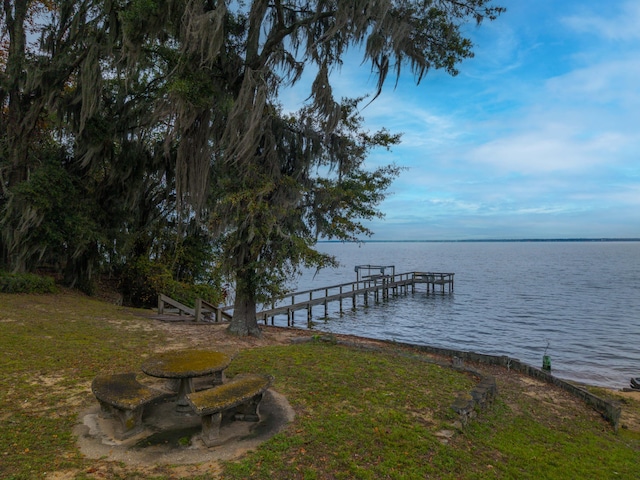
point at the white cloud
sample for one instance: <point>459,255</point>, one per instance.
<point>621,26</point>
<point>600,82</point>
<point>420,126</point>
<point>551,148</point>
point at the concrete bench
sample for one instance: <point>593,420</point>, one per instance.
<point>123,397</point>
<point>238,399</point>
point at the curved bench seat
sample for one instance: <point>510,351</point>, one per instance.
<point>122,396</point>
<point>237,399</point>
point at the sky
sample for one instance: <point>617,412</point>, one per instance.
<point>537,137</point>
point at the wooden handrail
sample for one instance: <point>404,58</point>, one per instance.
<point>162,299</point>
<point>220,314</point>
<point>201,306</point>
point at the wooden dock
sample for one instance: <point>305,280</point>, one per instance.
<point>375,285</point>
<point>370,287</point>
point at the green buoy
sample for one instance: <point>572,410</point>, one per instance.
<point>546,363</point>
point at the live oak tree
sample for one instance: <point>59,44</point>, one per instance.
<point>302,185</point>
<point>269,206</point>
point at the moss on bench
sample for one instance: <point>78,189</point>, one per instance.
<point>238,398</point>
<point>122,396</point>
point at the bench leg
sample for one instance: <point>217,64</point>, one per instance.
<point>211,429</point>
<point>248,412</point>
<point>218,378</point>
<point>106,410</point>
<point>129,422</point>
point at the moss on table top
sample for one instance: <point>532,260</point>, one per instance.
<point>186,363</point>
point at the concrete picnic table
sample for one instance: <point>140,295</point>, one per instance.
<point>185,365</point>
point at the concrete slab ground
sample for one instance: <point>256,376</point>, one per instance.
<point>174,438</point>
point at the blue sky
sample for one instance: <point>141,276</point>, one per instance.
<point>537,137</point>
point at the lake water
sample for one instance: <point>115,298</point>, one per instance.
<point>578,301</point>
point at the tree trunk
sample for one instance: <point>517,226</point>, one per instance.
<point>16,137</point>
<point>244,321</point>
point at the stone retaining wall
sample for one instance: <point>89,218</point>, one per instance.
<point>609,409</point>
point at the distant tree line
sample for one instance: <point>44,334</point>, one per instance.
<point>143,140</point>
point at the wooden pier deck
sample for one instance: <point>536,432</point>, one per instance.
<point>368,287</point>
<point>373,287</point>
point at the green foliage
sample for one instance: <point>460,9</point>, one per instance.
<point>192,254</point>
<point>143,280</point>
<point>188,293</point>
<point>46,219</point>
<point>275,205</point>
<point>26,283</point>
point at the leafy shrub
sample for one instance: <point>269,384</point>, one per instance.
<point>26,283</point>
<point>143,280</point>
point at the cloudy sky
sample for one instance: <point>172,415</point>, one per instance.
<point>537,137</point>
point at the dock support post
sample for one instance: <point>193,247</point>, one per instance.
<point>198,309</point>
<point>160,305</point>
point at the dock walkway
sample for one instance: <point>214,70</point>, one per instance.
<point>375,284</point>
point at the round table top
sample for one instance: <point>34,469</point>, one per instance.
<point>186,363</point>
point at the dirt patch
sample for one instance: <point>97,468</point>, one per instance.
<point>215,336</point>
<point>561,402</point>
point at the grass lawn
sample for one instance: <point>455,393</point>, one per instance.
<point>363,414</point>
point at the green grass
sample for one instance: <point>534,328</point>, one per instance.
<point>359,414</point>
<point>365,414</point>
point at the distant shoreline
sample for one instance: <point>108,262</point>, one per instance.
<point>493,240</point>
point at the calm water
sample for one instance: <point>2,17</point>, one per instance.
<point>578,300</point>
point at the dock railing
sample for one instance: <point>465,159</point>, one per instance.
<point>378,286</point>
